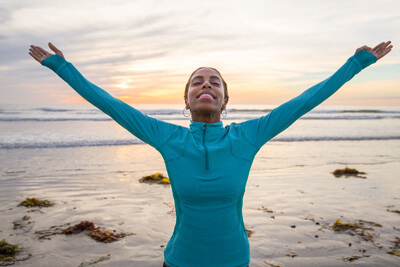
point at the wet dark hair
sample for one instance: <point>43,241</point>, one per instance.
<point>223,83</point>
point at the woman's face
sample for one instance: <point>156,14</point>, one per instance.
<point>206,92</point>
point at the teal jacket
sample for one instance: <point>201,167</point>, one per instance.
<point>208,164</point>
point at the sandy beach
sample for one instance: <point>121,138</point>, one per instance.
<point>291,200</point>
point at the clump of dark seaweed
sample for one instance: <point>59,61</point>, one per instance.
<point>34,202</point>
<point>157,178</point>
<point>395,249</point>
<point>94,231</point>
<point>348,172</point>
<point>360,228</point>
<point>8,251</point>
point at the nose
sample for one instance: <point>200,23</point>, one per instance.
<point>206,84</point>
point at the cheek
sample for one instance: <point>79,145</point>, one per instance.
<point>190,93</point>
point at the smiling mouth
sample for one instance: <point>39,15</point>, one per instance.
<point>207,95</point>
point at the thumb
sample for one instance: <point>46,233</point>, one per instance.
<point>56,50</point>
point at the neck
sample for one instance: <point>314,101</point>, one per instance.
<point>206,117</point>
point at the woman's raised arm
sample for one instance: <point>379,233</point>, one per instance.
<point>150,130</point>
<point>261,130</point>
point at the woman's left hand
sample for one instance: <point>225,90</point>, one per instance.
<point>379,51</point>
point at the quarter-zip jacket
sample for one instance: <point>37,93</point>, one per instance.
<point>208,164</point>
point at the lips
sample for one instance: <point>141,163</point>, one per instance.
<point>207,94</point>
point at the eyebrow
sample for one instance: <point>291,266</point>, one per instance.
<point>202,77</point>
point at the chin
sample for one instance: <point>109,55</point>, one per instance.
<point>206,110</point>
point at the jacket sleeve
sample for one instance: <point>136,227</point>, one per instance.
<point>150,130</point>
<point>261,130</point>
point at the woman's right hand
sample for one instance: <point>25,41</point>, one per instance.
<point>39,54</point>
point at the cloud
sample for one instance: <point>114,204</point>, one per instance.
<point>156,44</point>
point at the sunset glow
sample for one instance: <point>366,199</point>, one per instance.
<point>144,51</point>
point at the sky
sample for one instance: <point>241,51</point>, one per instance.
<point>143,51</point>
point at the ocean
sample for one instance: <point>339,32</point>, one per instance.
<point>82,125</point>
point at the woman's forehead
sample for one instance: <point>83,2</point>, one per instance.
<point>206,72</point>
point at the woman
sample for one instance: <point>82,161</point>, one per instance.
<point>208,164</point>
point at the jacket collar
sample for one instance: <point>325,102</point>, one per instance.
<point>195,126</point>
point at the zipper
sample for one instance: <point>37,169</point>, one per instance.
<point>205,147</point>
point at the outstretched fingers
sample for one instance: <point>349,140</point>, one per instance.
<point>382,49</point>
<point>36,53</point>
<point>43,52</point>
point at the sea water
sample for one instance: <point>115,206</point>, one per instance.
<point>76,125</point>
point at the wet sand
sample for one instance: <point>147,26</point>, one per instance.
<point>291,200</point>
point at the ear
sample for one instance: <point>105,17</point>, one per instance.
<point>224,105</point>
<point>187,104</point>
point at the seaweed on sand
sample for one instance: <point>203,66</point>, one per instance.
<point>249,232</point>
<point>157,178</point>
<point>54,230</point>
<point>9,252</point>
<point>264,209</point>
<point>34,202</point>
<point>395,249</point>
<point>354,257</point>
<point>348,172</point>
<point>394,211</point>
<point>94,231</point>
<point>97,233</point>
<point>23,224</point>
<point>360,228</point>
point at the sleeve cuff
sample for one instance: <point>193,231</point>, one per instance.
<point>365,58</point>
<point>54,62</point>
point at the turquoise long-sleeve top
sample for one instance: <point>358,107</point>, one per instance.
<point>208,164</point>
